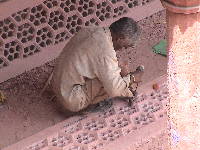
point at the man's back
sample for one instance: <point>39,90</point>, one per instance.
<point>82,56</point>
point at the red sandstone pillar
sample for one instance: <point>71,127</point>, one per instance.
<point>183,19</point>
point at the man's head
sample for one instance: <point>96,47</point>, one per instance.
<point>124,32</point>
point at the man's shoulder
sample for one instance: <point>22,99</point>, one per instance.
<point>91,34</point>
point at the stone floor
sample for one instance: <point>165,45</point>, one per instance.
<point>143,126</point>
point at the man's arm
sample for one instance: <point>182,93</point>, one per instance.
<point>109,74</point>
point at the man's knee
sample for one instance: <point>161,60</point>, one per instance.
<point>72,107</point>
<point>77,99</point>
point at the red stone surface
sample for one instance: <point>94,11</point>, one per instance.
<point>182,6</point>
<point>184,81</point>
<point>185,3</point>
<point>142,126</point>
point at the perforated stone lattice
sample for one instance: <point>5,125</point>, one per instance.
<point>104,11</point>
<point>144,2</point>
<point>72,129</point>
<point>74,24</point>
<point>95,125</point>
<point>144,119</point>
<point>96,146</point>
<point>25,33</point>
<point>7,28</point>
<point>132,3</point>
<point>2,63</point>
<point>118,11</point>
<point>151,106</point>
<point>107,113</point>
<point>62,36</point>
<point>115,1</point>
<point>21,15</point>
<point>39,145</point>
<point>55,21</point>
<point>12,50</point>
<point>44,37</point>
<point>96,130</point>
<point>86,7</point>
<point>38,15</point>
<point>91,21</point>
<point>30,50</point>
<point>119,122</point>
<point>68,5</point>
<point>127,110</point>
<point>85,138</point>
<point>59,140</point>
<point>129,129</point>
<point>51,3</point>
<point>110,135</point>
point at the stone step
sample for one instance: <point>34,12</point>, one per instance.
<point>141,126</point>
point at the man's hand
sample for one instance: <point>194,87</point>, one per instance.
<point>124,65</point>
<point>137,75</point>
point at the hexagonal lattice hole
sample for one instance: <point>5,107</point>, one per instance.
<point>86,7</point>
<point>38,145</point>
<point>108,113</point>
<point>110,135</point>
<point>72,128</point>
<point>51,3</point>
<point>60,140</point>
<point>85,138</point>
<point>44,37</point>
<point>118,11</point>
<point>151,106</point>
<point>74,24</point>
<point>128,130</point>
<point>21,15</point>
<point>132,3</point>
<point>160,95</point>
<point>12,50</point>
<point>91,21</point>
<point>96,145</point>
<point>127,110</point>
<point>3,63</point>
<point>60,37</point>
<point>57,20</point>
<point>141,97</point>
<point>115,1</point>
<point>94,125</point>
<point>104,11</point>
<point>144,119</point>
<point>38,15</point>
<point>7,28</point>
<point>119,122</point>
<point>25,33</point>
<point>144,2</point>
<point>68,5</point>
<point>30,50</point>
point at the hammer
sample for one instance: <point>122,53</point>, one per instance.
<point>136,77</point>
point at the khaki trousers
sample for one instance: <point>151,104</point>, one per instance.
<point>81,96</point>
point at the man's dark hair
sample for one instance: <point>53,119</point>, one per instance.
<point>124,27</point>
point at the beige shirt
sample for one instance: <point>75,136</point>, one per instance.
<point>90,54</point>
